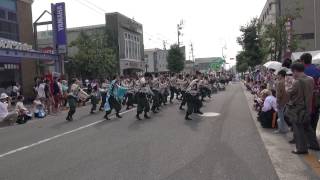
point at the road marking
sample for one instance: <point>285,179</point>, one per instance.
<point>56,136</point>
<point>210,114</point>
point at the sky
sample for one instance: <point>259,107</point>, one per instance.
<point>208,24</point>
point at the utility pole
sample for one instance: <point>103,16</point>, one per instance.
<point>164,45</point>
<point>35,35</point>
<point>192,55</point>
<point>315,25</point>
<point>179,29</point>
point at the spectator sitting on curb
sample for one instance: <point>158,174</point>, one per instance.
<point>9,118</point>
<point>23,113</point>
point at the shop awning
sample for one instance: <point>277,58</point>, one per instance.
<point>14,49</point>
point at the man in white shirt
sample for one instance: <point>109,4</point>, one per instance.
<point>5,115</point>
<point>41,91</point>
<point>270,103</point>
<point>266,116</point>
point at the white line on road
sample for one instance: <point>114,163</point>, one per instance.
<point>55,137</point>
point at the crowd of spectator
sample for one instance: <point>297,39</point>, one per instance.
<point>288,99</point>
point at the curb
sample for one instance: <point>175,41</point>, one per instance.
<point>286,165</point>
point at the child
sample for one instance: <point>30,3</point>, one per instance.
<point>39,109</point>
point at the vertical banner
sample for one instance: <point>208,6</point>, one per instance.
<point>59,26</point>
<point>59,31</point>
<point>288,27</point>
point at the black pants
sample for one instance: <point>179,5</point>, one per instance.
<point>304,136</point>
<point>114,104</point>
<point>315,119</point>
<point>164,96</point>
<point>94,102</point>
<point>143,103</point>
<point>156,100</point>
<point>130,99</point>
<point>203,93</point>
<point>193,104</point>
<point>72,101</point>
<point>184,98</point>
<point>178,93</point>
<point>265,118</point>
<point>197,104</point>
<point>172,92</point>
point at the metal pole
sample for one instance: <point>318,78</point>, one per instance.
<point>315,25</point>
<point>178,29</point>
<point>35,44</point>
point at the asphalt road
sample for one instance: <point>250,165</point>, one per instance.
<point>227,146</point>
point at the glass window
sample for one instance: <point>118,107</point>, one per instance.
<point>13,28</point>
<point>4,26</point>
<point>130,50</point>
<point>125,48</point>
<point>12,16</point>
<point>8,4</point>
<point>2,14</point>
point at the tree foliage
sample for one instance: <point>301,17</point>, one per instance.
<point>95,57</point>
<point>277,39</point>
<point>252,53</point>
<point>175,59</point>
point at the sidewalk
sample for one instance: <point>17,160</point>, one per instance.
<point>287,165</point>
<point>30,108</point>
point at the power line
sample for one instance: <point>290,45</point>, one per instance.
<point>96,6</point>
<point>98,10</point>
<point>94,10</point>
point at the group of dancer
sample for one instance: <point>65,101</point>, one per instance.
<point>149,93</point>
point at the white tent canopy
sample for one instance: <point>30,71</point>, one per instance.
<point>273,65</point>
<point>316,59</point>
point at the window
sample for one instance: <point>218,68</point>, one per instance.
<point>132,46</point>
<point>4,26</point>
<point>9,36</point>
<point>12,16</point>
<point>8,4</point>
<point>2,14</point>
<point>306,36</point>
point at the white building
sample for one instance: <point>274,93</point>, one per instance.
<point>156,60</point>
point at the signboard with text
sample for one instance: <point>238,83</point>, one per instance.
<point>59,27</point>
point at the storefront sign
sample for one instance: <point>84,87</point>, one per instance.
<point>48,50</point>
<point>59,26</point>
<point>8,44</point>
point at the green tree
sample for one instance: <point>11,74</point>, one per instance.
<point>277,39</point>
<point>94,59</point>
<point>241,65</point>
<point>175,59</point>
<point>252,53</point>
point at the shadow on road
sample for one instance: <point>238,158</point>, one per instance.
<point>194,123</point>
<point>136,124</point>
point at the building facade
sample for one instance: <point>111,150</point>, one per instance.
<point>45,38</point>
<point>307,27</point>
<point>17,59</point>
<point>189,67</point>
<point>156,60</point>
<point>127,35</point>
